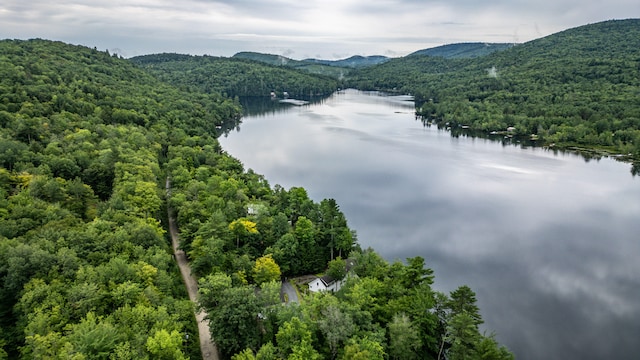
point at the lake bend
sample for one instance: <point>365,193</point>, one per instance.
<point>548,241</point>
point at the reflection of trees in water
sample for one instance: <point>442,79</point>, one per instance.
<point>263,105</point>
<point>506,139</point>
<point>228,126</point>
<point>457,131</point>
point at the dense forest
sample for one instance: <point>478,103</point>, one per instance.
<point>87,143</point>
<point>463,50</point>
<point>577,89</point>
<point>234,76</point>
<point>85,267</point>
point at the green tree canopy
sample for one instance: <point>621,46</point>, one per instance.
<point>265,270</point>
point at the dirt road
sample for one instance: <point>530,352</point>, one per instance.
<point>207,346</point>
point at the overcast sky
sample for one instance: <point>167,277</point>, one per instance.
<point>328,29</point>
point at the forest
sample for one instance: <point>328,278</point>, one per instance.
<point>87,143</point>
<point>234,76</point>
<point>576,90</point>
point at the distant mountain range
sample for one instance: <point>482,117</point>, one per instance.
<point>449,51</point>
<point>356,61</point>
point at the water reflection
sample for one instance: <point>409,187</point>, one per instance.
<point>526,141</point>
<point>548,242</point>
<point>267,106</point>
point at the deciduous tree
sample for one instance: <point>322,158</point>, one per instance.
<point>404,340</point>
<point>265,270</point>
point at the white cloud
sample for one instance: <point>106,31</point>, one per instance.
<point>309,28</point>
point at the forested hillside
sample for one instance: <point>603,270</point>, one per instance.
<point>575,89</point>
<point>355,61</point>
<point>463,50</point>
<point>85,267</point>
<point>87,142</point>
<point>234,76</point>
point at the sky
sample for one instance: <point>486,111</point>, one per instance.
<point>325,29</point>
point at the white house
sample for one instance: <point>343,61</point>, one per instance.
<point>327,283</point>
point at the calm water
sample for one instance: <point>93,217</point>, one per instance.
<point>550,243</point>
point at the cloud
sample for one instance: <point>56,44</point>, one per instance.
<point>309,28</point>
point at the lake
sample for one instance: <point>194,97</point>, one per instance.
<point>548,241</point>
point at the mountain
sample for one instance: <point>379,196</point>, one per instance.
<point>277,60</point>
<point>575,89</point>
<point>356,61</point>
<point>249,74</point>
<point>463,50</point>
<point>334,68</point>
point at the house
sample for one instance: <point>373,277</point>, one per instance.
<point>327,283</point>
<point>255,209</point>
<point>252,210</point>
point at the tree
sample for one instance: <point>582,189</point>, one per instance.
<point>280,225</point>
<point>285,253</point>
<point>165,345</point>
<point>332,222</point>
<point>207,255</point>
<point>415,273</point>
<point>50,346</point>
<point>246,354</point>
<point>463,335</point>
<point>427,312</point>
<point>265,270</point>
<point>305,231</point>
<point>304,351</point>
<point>269,294</point>
<point>489,349</point>
<point>3,353</point>
<point>463,301</point>
<point>363,349</point>
<point>12,152</point>
<point>234,320</point>
<point>94,337</point>
<point>336,326</point>
<point>299,204</point>
<point>211,289</point>
<point>242,228</point>
<point>337,268</point>
<point>404,339</point>
<point>345,240</point>
<point>267,352</point>
<point>291,334</point>
<point>308,251</point>
<point>370,264</point>
<point>368,294</point>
